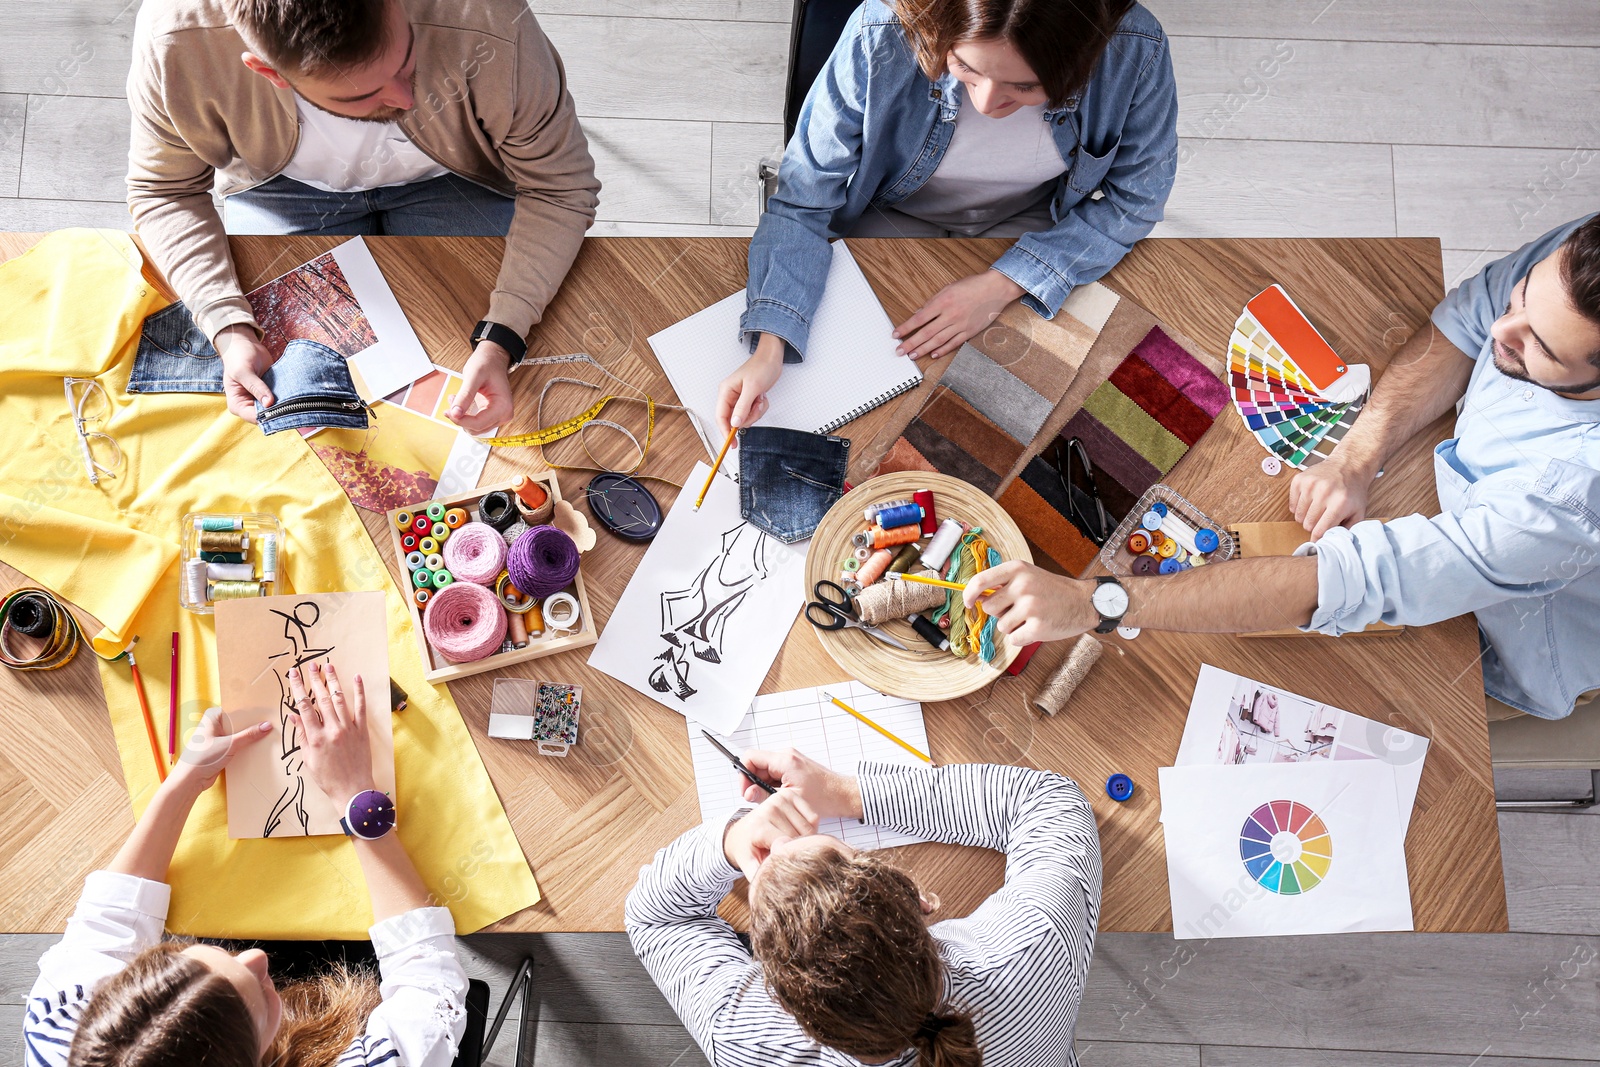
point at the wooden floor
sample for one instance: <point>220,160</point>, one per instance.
<point>1474,121</point>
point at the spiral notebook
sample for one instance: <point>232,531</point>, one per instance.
<point>850,365</point>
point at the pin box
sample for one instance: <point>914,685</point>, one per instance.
<point>545,713</point>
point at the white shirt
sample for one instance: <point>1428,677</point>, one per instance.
<point>340,155</point>
<point>1018,963</point>
<point>419,1023</point>
<point>994,168</point>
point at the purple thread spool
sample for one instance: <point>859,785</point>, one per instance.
<point>542,561</point>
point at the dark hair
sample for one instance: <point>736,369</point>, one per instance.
<point>1061,40</point>
<point>312,36</point>
<point>1580,272</point>
<point>845,949</point>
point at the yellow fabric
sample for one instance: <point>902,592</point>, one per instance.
<point>73,306</point>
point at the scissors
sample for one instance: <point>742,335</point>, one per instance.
<point>834,610</point>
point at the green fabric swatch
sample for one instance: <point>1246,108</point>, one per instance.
<point>1134,425</point>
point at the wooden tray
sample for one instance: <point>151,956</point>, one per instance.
<point>440,669</point>
<point>921,674</point>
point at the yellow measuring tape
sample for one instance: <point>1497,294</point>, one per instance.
<point>551,434</point>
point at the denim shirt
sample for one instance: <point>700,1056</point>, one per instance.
<point>874,128</point>
<point>1517,538</point>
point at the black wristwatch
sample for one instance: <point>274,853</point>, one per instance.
<point>1111,601</point>
<point>504,336</point>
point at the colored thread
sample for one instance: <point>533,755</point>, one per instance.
<point>464,622</point>
<point>422,577</point>
<point>409,542</point>
<point>531,493</point>
<point>422,596</point>
<point>230,572</point>
<point>511,598</point>
<point>39,615</point>
<point>906,514</point>
<point>496,509</point>
<point>905,559</point>
<point>420,525</point>
<point>896,600</point>
<point>944,542</point>
<point>442,578</point>
<point>219,522</point>
<point>929,632</point>
<point>870,512</point>
<point>1059,687</point>
<point>863,553</point>
<point>427,546</point>
<point>194,583</point>
<point>543,561</point>
<point>436,512</point>
<point>456,518</point>
<point>517,627</point>
<point>434,562</point>
<point>562,612</point>
<point>923,498</point>
<point>222,557</point>
<point>235,590</point>
<point>477,553</point>
<point>899,535</point>
<point>224,541</point>
<point>439,532</point>
<point>873,569</point>
<point>269,557</point>
<point>415,560</point>
<point>535,619</point>
<point>516,530</point>
<point>850,565</point>
<point>403,520</point>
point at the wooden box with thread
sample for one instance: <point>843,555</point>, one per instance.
<point>440,669</point>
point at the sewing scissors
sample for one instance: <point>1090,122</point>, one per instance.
<point>834,610</point>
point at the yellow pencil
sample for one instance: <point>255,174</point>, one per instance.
<point>925,580</point>
<point>701,499</point>
<point>923,756</point>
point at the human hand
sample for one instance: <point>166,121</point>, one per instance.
<point>487,375</point>
<point>244,360</point>
<point>1333,493</point>
<point>209,750</point>
<point>831,795</point>
<point>784,816</point>
<point>1030,604</point>
<point>332,728</point>
<point>955,314</point>
<point>742,396</point>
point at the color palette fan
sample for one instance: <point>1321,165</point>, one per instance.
<point>1292,389</point>
<point>1285,847</point>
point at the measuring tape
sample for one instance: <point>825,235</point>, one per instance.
<point>567,428</point>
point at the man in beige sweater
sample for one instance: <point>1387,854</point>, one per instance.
<point>356,116</point>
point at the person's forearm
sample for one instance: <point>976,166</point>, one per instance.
<point>392,879</point>
<point>148,851</point>
<point>1239,596</point>
<point>1424,380</point>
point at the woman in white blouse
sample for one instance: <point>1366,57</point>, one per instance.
<point>113,992</point>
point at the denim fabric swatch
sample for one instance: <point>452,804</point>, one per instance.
<point>788,479</point>
<point>174,355</point>
<point>311,386</point>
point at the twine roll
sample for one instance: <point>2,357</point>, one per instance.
<point>1060,686</point>
<point>476,553</point>
<point>883,601</point>
<point>464,622</point>
<point>496,510</point>
<point>542,562</point>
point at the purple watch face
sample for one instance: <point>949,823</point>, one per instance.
<point>370,815</point>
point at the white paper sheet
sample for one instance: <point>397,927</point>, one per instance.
<point>1220,730</point>
<point>1226,870</point>
<point>807,720</point>
<point>398,358</point>
<point>706,611</point>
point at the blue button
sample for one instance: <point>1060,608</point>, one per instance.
<point>1151,520</point>
<point>1170,566</point>
<point>1119,787</point>
<point>1159,508</point>
<point>1206,540</point>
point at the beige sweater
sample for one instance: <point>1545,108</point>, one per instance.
<point>492,106</point>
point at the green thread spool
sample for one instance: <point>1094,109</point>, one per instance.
<point>442,578</point>
<point>439,532</point>
<point>422,577</point>
<point>436,512</point>
<point>235,590</point>
<point>219,522</point>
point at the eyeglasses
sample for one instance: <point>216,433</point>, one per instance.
<point>91,407</point>
<point>1084,508</point>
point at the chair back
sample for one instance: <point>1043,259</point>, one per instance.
<point>816,29</point>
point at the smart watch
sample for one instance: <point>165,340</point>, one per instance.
<point>503,336</point>
<point>1110,599</point>
<point>369,815</point>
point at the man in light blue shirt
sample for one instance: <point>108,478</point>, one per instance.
<point>1516,350</point>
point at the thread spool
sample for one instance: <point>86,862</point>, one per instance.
<point>456,518</point>
<point>870,571</point>
<point>464,622</point>
<point>896,600</point>
<point>496,509</point>
<point>511,598</point>
<point>434,562</point>
<point>223,557</point>
<point>944,542</point>
<point>422,578</point>
<point>561,612</point>
<point>477,553</point>
<point>408,542</point>
<point>898,535</point>
<point>1060,686</point>
<point>863,553</point>
<point>543,561</point>
<point>415,560</point>
<point>904,515</point>
<point>427,546</point>
<point>422,596</point>
<point>517,628</point>
<point>442,578</point>
<point>213,523</point>
<point>929,632</point>
<point>850,565</point>
<point>439,532</point>
<point>906,558</point>
<point>195,581</point>
<point>403,520</point>
<point>923,498</point>
<point>230,572</point>
<point>420,525</point>
<point>235,590</point>
<point>224,541</point>
<point>533,502</point>
<point>436,512</point>
<point>535,620</point>
<point>870,512</point>
<point>269,557</point>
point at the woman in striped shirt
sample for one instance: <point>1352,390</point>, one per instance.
<point>846,966</point>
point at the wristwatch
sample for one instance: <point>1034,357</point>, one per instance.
<point>504,336</point>
<point>369,815</point>
<point>1111,601</point>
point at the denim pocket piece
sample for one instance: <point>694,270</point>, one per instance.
<point>788,479</point>
<point>311,386</point>
<point>174,356</point>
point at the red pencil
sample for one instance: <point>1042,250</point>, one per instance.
<point>144,706</point>
<point>172,704</point>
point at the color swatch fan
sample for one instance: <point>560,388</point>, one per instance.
<point>1292,389</point>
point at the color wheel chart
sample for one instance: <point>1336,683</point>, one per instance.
<point>1290,387</point>
<point>1285,847</point>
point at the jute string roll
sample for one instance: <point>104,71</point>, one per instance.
<point>1060,686</point>
<point>883,601</point>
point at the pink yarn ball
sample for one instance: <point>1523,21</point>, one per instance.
<point>475,553</point>
<point>464,622</point>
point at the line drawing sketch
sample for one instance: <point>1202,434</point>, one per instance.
<point>298,624</point>
<point>694,620</point>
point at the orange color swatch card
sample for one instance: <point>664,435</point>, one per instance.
<point>1307,349</point>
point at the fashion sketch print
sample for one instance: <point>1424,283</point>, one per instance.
<point>695,619</point>
<point>300,647</point>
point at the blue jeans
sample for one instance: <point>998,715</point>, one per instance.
<point>440,207</point>
<point>788,479</point>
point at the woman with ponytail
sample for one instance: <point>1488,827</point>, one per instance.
<point>844,956</point>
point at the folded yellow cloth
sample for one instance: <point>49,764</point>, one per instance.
<point>73,307</point>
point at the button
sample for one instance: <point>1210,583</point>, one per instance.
<point>1160,509</point>
<point>1119,787</point>
<point>1271,465</point>
<point>1144,566</point>
<point>1206,540</point>
<point>1138,542</point>
<point>1061,120</point>
<point>1527,394</point>
<point>1170,566</point>
<point>1151,520</point>
<point>1167,549</point>
<point>1129,632</point>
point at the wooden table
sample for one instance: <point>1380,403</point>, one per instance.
<point>589,821</point>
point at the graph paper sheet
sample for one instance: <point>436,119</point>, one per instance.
<point>806,720</point>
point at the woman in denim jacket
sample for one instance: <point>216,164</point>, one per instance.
<point>972,118</point>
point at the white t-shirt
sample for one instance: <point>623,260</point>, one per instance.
<point>994,168</point>
<point>340,155</point>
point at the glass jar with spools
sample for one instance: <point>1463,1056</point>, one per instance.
<point>228,556</point>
